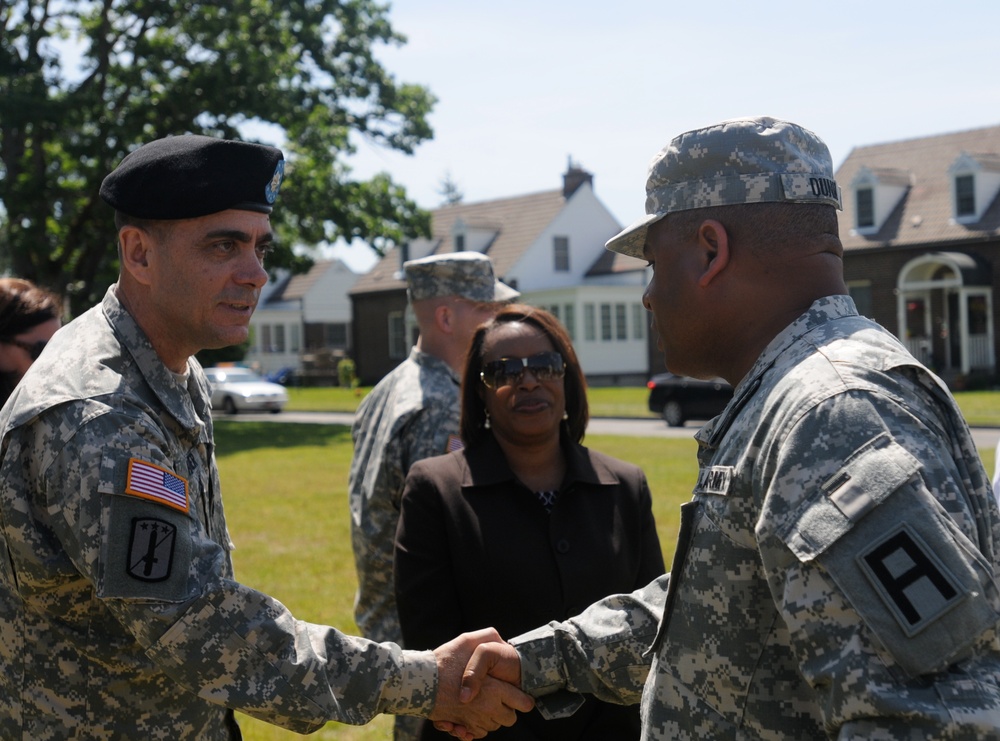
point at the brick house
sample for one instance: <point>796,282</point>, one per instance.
<point>921,232</point>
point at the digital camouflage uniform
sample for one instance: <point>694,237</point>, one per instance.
<point>120,616</point>
<point>410,415</point>
<point>835,573</point>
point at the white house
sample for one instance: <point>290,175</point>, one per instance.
<point>550,247</point>
<point>302,317</point>
<point>921,235</point>
<point>567,270</point>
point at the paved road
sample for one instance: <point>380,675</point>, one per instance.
<point>985,437</point>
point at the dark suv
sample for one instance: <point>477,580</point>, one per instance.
<point>678,398</point>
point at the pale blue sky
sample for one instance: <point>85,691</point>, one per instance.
<point>523,86</point>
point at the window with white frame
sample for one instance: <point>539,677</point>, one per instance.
<point>965,195</point>
<point>621,322</point>
<point>265,338</point>
<point>397,335</point>
<point>569,320</point>
<point>560,252</point>
<point>861,292</point>
<point>279,337</point>
<point>295,338</point>
<point>975,185</point>
<point>606,322</point>
<point>865,211</point>
<point>877,192</point>
<point>554,310</point>
<point>589,323</point>
<point>335,335</point>
<point>638,322</point>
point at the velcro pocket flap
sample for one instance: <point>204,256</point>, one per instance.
<point>875,471</point>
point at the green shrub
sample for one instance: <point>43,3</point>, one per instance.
<point>346,373</point>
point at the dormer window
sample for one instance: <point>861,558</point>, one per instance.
<point>877,192</point>
<point>965,195</point>
<point>458,231</point>
<point>469,236</point>
<point>976,184</point>
<point>866,207</point>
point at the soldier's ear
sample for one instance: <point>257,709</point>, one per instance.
<point>444,318</point>
<point>134,251</point>
<point>713,246</point>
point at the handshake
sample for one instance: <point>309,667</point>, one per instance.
<point>478,680</point>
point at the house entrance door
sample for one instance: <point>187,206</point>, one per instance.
<point>945,313</point>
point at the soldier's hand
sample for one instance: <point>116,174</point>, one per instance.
<point>496,659</point>
<point>492,705</point>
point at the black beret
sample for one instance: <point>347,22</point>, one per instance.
<point>184,177</point>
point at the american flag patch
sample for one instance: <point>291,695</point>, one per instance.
<point>156,484</point>
<point>454,443</point>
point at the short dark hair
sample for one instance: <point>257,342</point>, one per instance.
<point>764,224</point>
<point>24,305</point>
<point>574,383</point>
<point>159,228</point>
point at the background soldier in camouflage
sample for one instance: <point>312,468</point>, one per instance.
<point>836,570</point>
<point>412,413</point>
<point>120,617</point>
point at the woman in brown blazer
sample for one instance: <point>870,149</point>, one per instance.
<point>524,525</point>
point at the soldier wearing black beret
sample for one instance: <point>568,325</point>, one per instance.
<point>184,177</point>
<point>120,615</point>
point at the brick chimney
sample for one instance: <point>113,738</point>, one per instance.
<point>574,177</point>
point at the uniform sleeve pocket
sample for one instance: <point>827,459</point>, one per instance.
<point>145,547</point>
<point>875,471</point>
<point>917,582</point>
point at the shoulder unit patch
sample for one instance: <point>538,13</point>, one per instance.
<point>912,581</point>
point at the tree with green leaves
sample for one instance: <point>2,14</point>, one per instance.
<point>302,75</point>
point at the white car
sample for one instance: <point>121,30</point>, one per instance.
<point>241,390</point>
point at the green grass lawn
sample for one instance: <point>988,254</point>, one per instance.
<point>604,402</point>
<point>981,408</point>
<point>285,490</point>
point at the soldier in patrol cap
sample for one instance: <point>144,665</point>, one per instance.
<point>836,570</point>
<point>411,414</point>
<point>120,615</point>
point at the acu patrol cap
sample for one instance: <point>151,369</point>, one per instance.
<point>747,160</point>
<point>466,274</point>
<point>184,177</point>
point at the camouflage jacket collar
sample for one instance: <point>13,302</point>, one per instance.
<point>189,406</point>
<point>821,312</point>
<point>432,362</point>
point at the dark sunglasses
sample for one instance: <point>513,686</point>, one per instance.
<point>544,366</point>
<point>34,349</point>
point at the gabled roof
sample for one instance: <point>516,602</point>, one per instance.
<point>925,214</point>
<point>885,175</point>
<point>297,286</point>
<point>984,160</point>
<point>516,222</point>
<point>612,262</point>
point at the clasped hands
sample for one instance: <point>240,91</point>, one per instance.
<point>478,680</point>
